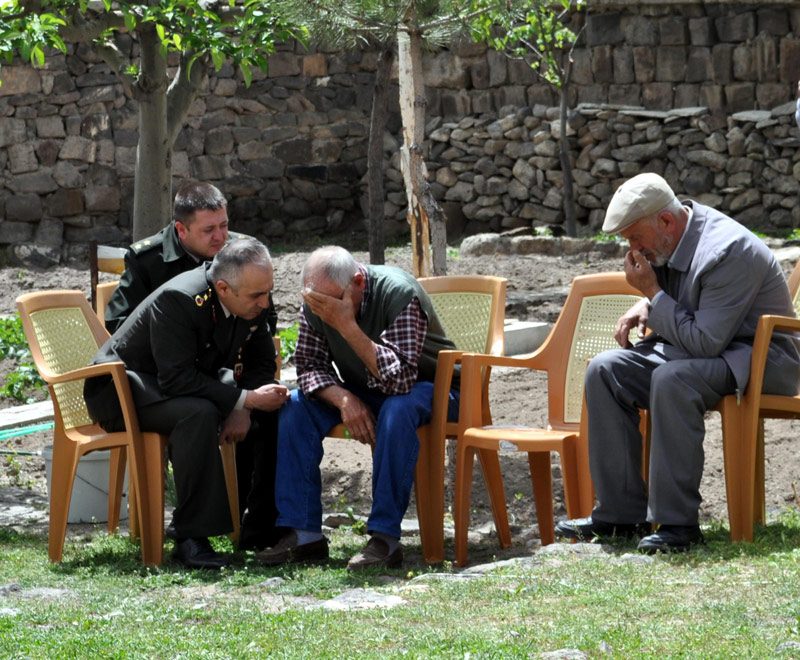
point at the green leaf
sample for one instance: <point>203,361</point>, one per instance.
<point>218,59</point>
<point>130,21</point>
<point>161,32</point>
<point>247,74</point>
<point>37,56</point>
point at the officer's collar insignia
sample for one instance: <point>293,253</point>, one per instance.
<point>253,328</point>
<point>200,299</point>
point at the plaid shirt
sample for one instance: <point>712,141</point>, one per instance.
<point>397,351</point>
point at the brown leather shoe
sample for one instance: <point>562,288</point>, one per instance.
<point>376,553</point>
<point>286,551</point>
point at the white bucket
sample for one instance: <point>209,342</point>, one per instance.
<point>90,489</point>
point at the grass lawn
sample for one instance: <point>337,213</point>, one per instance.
<point>721,600</point>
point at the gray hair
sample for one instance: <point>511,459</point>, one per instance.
<point>331,263</point>
<point>230,261</point>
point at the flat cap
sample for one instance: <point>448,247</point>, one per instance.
<point>643,195</point>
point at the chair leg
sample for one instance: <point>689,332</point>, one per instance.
<point>228,452</point>
<point>490,464</point>
<point>116,479</point>
<point>429,493</point>
<point>759,496</point>
<point>542,479</point>
<point>571,479</point>
<point>62,478</point>
<point>738,471</point>
<point>134,530</point>
<point>583,494</point>
<point>150,503</point>
<point>465,456</point>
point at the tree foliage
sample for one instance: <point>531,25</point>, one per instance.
<point>244,33</point>
<point>534,30</point>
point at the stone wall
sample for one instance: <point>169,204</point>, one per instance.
<point>500,174</point>
<point>290,150</point>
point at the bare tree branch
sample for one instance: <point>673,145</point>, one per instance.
<point>184,89</point>
<point>119,63</point>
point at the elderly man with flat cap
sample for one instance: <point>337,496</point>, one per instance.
<point>706,280</point>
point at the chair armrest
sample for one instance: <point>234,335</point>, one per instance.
<point>472,366</point>
<point>107,368</point>
<point>766,328</point>
<point>446,361</point>
<point>121,384</point>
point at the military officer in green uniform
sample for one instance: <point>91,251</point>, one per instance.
<point>198,231</point>
<point>201,366</point>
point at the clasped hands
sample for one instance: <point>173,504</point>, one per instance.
<point>640,274</point>
<point>267,397</point>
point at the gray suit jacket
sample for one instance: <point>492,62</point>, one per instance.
<point>718,282</point>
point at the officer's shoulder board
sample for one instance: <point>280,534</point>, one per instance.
<point>145,245</point>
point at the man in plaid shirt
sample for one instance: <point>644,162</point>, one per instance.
<point>377,326</point>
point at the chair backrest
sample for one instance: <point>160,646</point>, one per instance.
<point>584,328</point>
<point>103,294</point>
<point>63,334</point>
<point>471,309</point>
<point>104,259</point>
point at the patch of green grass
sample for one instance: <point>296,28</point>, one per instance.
<point>721,600</point>
<point>288,337</point>
<point>23,383</point>
<point>602,237</point>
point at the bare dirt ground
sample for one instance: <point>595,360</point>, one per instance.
<point>537,286</point>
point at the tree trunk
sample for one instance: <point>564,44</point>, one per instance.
<point>424,213</point>
<point>568,202</point>
<point>152,192</point>
<point>377,127</point>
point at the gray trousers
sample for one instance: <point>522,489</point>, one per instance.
<point>677,389</point>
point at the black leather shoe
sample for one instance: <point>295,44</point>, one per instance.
<point>672,538</point>
<point>586,529</point>
<point>286,551</point>
<point>198,553</point>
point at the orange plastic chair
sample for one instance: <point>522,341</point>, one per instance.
<point>64,334</point>
<point>743,426</point>
<point>584,328</point>
<point>472,311</point>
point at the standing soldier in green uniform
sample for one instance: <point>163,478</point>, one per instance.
<point>198,231</point>
<point>201,366</point>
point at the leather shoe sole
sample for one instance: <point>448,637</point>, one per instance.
<point>586,529</point>
<point>671,538</point>
<point>288,552</point>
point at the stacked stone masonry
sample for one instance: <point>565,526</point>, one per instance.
<point>290,150</point>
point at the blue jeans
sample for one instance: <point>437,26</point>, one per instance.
<point>303,424</point>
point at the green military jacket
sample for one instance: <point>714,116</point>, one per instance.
<point>148,264</point>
